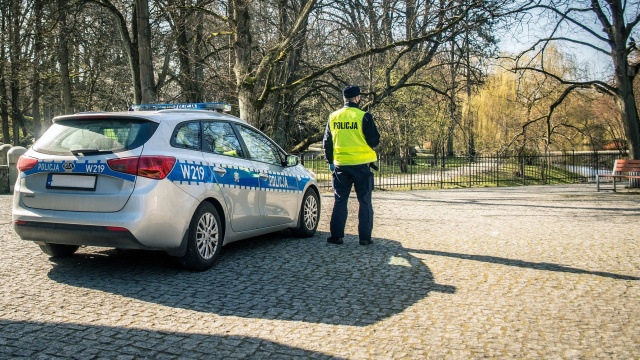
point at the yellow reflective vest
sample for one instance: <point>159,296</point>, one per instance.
<point>349,145</point>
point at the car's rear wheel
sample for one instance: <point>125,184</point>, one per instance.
<point>309,215</point>
<point>58,250</point>
<point>204,240</point>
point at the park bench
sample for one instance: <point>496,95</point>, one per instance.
<point>622,169</point>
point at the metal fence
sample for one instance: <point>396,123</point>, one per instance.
<point>428,172</point>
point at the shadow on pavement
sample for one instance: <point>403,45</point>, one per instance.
<point>59,340</point>
<point>524,264</point>
<point>273,277</point>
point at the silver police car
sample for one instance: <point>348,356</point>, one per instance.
<point>181,178</point>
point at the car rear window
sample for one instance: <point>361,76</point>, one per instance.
<point>91,135</point>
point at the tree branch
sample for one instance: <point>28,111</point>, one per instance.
<point>596,84</point>
<point>431,36</point>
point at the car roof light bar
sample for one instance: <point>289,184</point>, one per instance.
<point>211,106</point>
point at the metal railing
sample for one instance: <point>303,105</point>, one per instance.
<point>428,172</point>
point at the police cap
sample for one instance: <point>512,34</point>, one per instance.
<point>351,91</point>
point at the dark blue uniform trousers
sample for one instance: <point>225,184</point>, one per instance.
<point>361,177</point>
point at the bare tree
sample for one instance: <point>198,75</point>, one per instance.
<point>608,27</point>
<point>129,45</point>
<point>187,22</point>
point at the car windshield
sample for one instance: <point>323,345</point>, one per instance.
<point>94,136</point>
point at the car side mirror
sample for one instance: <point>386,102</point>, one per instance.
<point>292,160</point>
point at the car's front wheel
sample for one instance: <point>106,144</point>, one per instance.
<point>309,215</point>
<point>204,240</point>
<point>58,250</point>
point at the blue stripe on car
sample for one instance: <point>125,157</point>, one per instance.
<point>87,167</point>
<point>185,172</point>
<point>196,173</point>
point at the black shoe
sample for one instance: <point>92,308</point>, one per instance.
<point>366,242</point>
<point>335,240</point>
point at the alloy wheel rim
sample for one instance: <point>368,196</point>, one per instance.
<point>207,236</point>
<point>310,212</point>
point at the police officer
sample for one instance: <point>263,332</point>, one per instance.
<point>348,143</point>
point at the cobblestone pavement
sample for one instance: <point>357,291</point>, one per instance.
<point>526,272</point>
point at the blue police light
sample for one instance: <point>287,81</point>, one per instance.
<point>211,106</point>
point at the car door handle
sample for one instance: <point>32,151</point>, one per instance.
<point>220,171</point>
<point>264,176</point>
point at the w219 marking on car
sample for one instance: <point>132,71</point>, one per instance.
<point>192,172</point>
<point>94,168</point>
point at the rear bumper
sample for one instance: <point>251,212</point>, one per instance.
<point>80,235</point>
<point>155,217</point>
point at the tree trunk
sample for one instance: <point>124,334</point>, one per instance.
<point>404,158</point>
<point>242,44</point>
<point>248,110</point>
<point>624,75</point>
<point>471,144</point>
<point>629,113</point>
<point>410,21</point>
<point>452,102</point>
<point>182,45</point>
<point>133,54</point>
<point>4,98</point>
<point>626,103</point>
<point>4,108</point>
<point>14,80</point>
<point>387,22</point>
<point>130,45</point>
<point>282,114</point>
<point>147,81</point>
<point>199,57</point>
<point>63,57</point>
<point>37,65</point>
<point>188,55</point>
<point>451,127</point>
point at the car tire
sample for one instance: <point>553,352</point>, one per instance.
<point>58,250</point>
<point>309,215</point>
<point>204,240</point>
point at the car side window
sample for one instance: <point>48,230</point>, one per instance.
<point>260,147</point>
<point>187,135</point>
<point>219,138</point>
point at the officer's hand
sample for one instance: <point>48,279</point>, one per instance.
<point>332,167</point>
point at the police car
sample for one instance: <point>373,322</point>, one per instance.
<point>181,178</point>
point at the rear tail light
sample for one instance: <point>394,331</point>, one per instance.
<point>153,167</point>
<point>116,229</point>
<point>26,163</point>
